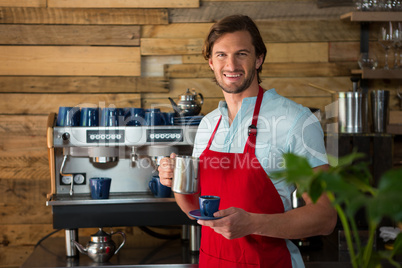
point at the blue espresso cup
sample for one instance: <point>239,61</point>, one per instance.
<point>209,204</point>
<point>134,117</point>
<point>68,117</point>
<point>158,189</point>
<point>154,117</point>
<point>100,187</point>
<point>110,117</point>
<point>89,117</point>
<point>120,115</point>
<point>169,118</point>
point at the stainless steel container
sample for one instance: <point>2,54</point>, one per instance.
<point>185,177</point>
<point>379,109</point>
<point>353,112</point>
<point>71,236</point>
<point>195,238</point>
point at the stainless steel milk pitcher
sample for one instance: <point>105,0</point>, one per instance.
<point>353,112</point>
<point>185,178</point>
<point>379,109</point>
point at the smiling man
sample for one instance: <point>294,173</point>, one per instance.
<point>234,67</point>
<point>239,144</point>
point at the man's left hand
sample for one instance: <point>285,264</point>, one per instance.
<point>235,223</point>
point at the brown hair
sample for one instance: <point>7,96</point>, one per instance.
<point>233,24</point>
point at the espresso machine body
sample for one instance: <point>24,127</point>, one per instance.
<point>128,154</point>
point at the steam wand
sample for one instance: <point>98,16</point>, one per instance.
<point>67,175</point>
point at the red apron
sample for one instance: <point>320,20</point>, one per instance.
<point>240,181</point>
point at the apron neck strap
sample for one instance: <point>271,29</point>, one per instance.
<point>252,129</point>
<point>213,133</point>
<point>257,106</point>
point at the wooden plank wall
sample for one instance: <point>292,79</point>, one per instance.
<point>137,53</point>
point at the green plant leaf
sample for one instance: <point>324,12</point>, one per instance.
<point>361,183</point>
<point>375,260</point>
<point>388,201</point>
<point>397,245</point>
<point>348,184</point>
<point>355,204</point>
<point>297,170</point>
<point>316,189</point>
<point>391,180</point>
<point>346,160</point>
<point>343,190</point>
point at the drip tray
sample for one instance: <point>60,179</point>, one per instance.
<point>114,198</point>
<point>136,209</point>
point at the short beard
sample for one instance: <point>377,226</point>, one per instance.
<point>239,89</point>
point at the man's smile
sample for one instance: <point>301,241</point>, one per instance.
<point>232,75</point>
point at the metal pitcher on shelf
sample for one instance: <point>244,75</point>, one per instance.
<point>379,109</point>
<point>353,112</point>
<point>189,103</point>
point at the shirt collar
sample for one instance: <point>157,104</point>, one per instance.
<point>223,107</point>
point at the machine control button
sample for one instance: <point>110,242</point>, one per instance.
<point>164,135</point>
<point>65,136</point>
<point>105,136</point>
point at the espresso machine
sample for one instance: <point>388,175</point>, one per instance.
<point>127,154</point>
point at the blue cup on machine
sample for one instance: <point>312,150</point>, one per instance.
<point>100,187</point>
<point>120,115</point>
<point>209,204</point>
<point>154,117</point>
<point>110,117</point>
<point>158,189</point>
<point>89,117</point>
<point>169,118</point>
<point>68,117</point>
<point>134,117</point>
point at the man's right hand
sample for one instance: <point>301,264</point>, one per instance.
<point>186,202</point>
<point>166,170</point>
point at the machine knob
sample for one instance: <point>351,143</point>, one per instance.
<point>65,136</point>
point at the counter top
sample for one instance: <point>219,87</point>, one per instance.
<point>322,253</point>
<point>168,254</point>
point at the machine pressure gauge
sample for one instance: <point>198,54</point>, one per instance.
<point>79,179</point>
<point>66,179</point>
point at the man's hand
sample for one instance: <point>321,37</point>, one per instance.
<point>166,170</point>
<point>235,223</point>
<point>186,202</point>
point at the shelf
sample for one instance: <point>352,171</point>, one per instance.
<point>369,16</point>
<point>379,74</point>
<point>372,16</point>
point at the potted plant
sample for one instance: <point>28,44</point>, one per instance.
<point>347,184</point>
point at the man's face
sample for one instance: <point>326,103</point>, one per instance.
<point>234,62</point>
